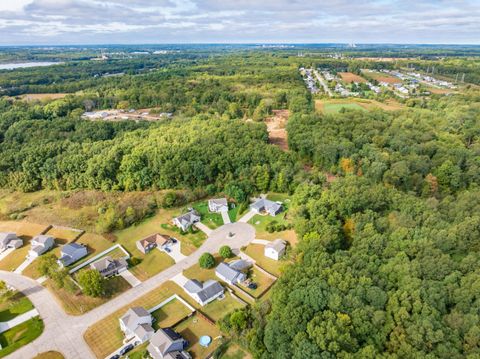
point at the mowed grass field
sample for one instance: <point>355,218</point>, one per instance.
<point>335,105</point>
<point>382,77</point>
<point>350,77</point>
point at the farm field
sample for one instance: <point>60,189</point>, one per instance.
<point>382,77</point>
<point>335,105</point>
<point>349,77</point>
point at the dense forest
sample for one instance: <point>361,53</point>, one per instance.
<point>387,263</point>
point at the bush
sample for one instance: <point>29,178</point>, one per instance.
<point>226,252</point>
<point>92,282</point>
<point>206,261</point>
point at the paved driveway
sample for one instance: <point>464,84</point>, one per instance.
<point>263,242</point>
<point>247,216</point>
<point>64,333</point>
<point>6,252</point>
<point>130,278</point>
<point>24,265</point>
<point>203,228</point>
<point>19,319</point>
<point>225,217</point>
<point>175,251</point>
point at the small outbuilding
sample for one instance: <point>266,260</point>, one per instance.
<point>275,249</point>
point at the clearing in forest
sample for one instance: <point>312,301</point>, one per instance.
<point>381,77</point>
<point>335,105</point>
<point>350,77</point>
<point>276,124</point>
<point>42,96</point>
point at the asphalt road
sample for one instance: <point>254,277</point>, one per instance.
<point>64,333</point>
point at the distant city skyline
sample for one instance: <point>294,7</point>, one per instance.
<point>64,22</point>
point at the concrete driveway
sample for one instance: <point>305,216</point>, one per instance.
<point>225,217</point>
<point>24,265</point>
<point>19,319</point>
<point>203,228</point>
<point>64,333</point>
<point>175,251</point>
<point>6,252</point>
<point>130,278</point>
<point>263,242</point>
<point>246,217</point>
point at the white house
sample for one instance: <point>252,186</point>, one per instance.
<point>137,323</point>
<point>203,293</point>
<point>9,240</point>
<point>275,249</point>
<point>40,244</point>
<point>218,205</point>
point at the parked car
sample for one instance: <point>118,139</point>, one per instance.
<point>173,240</point>
<point>253,286</point>
<point>126,349</point>
<point>116,356</point>
<point>168,250</point>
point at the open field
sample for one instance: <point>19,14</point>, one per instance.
<point>349,77</point>
<point>13,304</point>
<point>334,105</point>
<point>105,336</point>
<point>382,77</point>
<point>20,335</point>
<point>277,134</point>
<point>49,355</point>
<point>42,96</point>
<point>170,314</point>
<point>211,220</point>
<point>78,303</point>
<point>192,329</point>
<point>256,251</point>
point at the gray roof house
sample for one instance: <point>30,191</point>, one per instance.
<point>185,221</point>
<point>218,205</point>
<point>70,253</point>
<point>146,244</point>
<point>240,264</point>
<point>137,323</point>
<point>107,266</point>
<point>40,244</point>
<point>9,240</point>
<point>167,344</point>
<point>265,205</point>
<point>275,249</point>
<point>203,293</point>
<point>229,275</point>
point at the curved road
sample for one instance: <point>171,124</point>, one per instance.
<point>64,333</point>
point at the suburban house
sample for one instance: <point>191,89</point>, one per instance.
<point>240,264</point>
<point>168,344</point>
<point>70,253</point>
<point>275,249</point>
<point>185,221</point>
<point>40,244</point>
<point>230,275</point>
<point>153,241</point>
<point>218,205</point>
<point>203,293</point>
<point>9,240</point>
<point>267,206</point>
<point>107,266</point>
<point>137,323</point>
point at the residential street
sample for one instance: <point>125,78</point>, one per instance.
<point>64,333</point>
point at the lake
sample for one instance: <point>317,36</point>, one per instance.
<point>18,65</point>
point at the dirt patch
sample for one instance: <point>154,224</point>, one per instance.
<point>277,134</point>
<point>349,77</point>
<point>42,96</point>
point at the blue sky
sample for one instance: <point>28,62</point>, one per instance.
<point>24,22</point>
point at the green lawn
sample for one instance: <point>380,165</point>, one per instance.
<point>211,220</point>
<point>13,304</point>
<point>192,329</point>
<point>170,314</point>
<point>234,213</point>
<point>151,264</point>
<point>256,251</point>
<point>20,335</point>
<point>330,108</point>
<point>139,352</point>
<point>217,309</point>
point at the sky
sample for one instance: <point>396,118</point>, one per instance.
<point>60,22</point>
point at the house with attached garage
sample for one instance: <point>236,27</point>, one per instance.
<point>168,344</point>
<point>230,275</point>
<point>70,253</point>
<point>108,267</point>
<point>40,244</point>
<point>218,205</point>
<point>9,240</point>
<point>137,323</point>
<point>203,293</point>
<point>275,249</point>
<point>153,241</point>
<point>185,221</point>
<point>264,205</point>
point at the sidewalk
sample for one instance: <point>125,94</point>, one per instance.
<point>19,319</point>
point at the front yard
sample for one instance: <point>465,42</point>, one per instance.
<point>211,220</point>
<point>77,303</point>
<point>13,304</point>
<point>20,335</point>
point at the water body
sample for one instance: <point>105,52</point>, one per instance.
<point>19,65</point>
